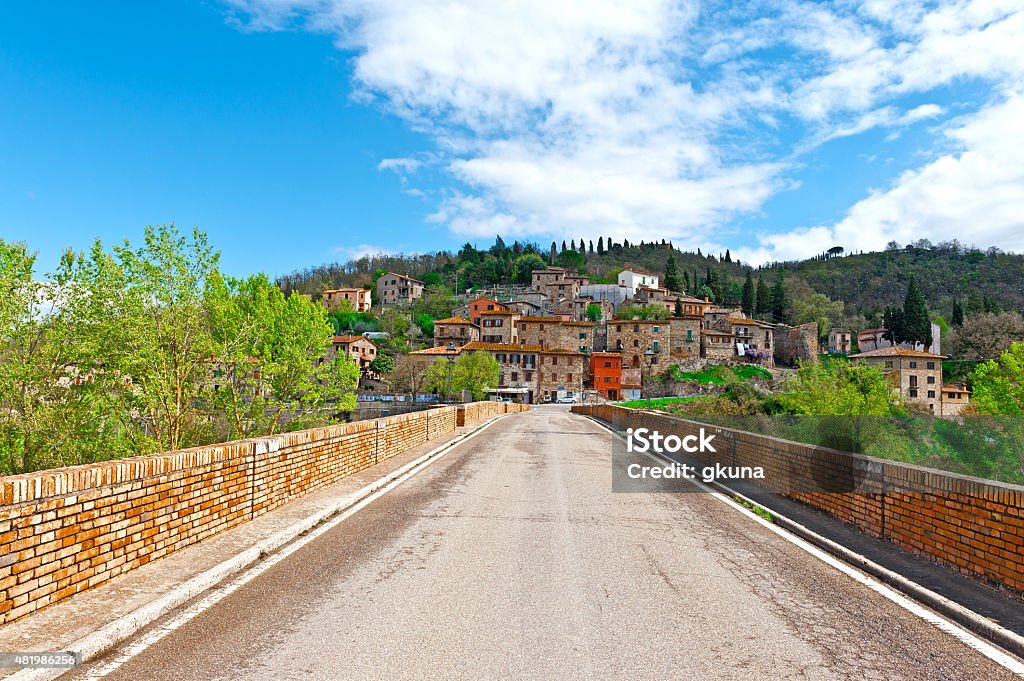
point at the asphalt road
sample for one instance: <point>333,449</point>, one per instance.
<point>511,558</point>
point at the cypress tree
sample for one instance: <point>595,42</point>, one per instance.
<point>591,246</point>
<point>764,297</point>
<point>917,327</point>
<point>572,245</point>
<point>780,300</point>
<point>686,281</point>
<point>672,275</point>
<point>563,246</point>
<point>957,318</point>
<point>600,245</point>
<point>749,295</point>
<point>728,257</point>
<point>679,308</point>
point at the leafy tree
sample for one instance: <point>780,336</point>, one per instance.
<point>986,336</point>
<point>270,363</point>
<point>672,282</point>
<point>749,303</point>
<point>705,292</point>
<point>999,384</point>
<point>475,372</point>
<point>892,320</point>
<point>439,377</point>
<point>432,279</point>
<point>641,312</point>
<point>975,302</point>
<point>522,270</point>
<point>593,312</point>
<point>572,260</point>
<point>382,364</point>
<point>410,375</point>
<point>817,308</point>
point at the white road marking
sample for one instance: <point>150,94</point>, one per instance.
<point>219,593</point>
<point>966,637</point>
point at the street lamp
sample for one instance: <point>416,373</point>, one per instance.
<point>451,361</point>
<point>648,355</point>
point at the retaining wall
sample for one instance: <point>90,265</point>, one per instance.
<point>66,530</point>
<point>971,525</point>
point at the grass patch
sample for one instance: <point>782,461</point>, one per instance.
<point>719,374</point>
<point>656,403</point>
<point>757,510</point>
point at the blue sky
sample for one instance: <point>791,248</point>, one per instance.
<point>301,131</point>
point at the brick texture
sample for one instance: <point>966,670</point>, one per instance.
<point>973,526</point>
<point>66,530</point>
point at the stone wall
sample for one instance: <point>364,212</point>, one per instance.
<point>794,343</point>
<point>66,530</point>
<point>971,525</point>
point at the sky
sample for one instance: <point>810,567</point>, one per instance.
<point>297,132</point>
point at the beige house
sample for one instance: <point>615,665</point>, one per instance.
<point>455,330</point>
<point>499,326</point>
<point>751,339</point>
<point>717,344</point>
<point>519,364</point>
<point>954,399</point>
<point>685,336</point>
<point>840,340</point>
<point>398,289</point>
<point>358,348</point>
<point>359,298</point>
<point>916,374</point>
<point>561,372</point>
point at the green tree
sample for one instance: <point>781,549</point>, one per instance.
<point>572,260</point>
<point>439,377</point>
<point>817,308</point>
<point>999,384</point>
<point>780,301</point>
<point>749,303</point>
<point>270,364</point>
<point>382,364</point>
<point>672,282</point>
<point>641,312</point>
<point>475,372</point>
<point>763,306</point>
<point>593,312</point>
<point>957,318</point>
<point>522,270</point>
<point>917,326</point>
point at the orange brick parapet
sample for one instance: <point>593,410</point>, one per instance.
<point>66,530</point>
<point>973,526</point>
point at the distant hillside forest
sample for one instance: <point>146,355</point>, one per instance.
<point>948,273</point>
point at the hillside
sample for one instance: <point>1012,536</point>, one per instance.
<point>864,282</point>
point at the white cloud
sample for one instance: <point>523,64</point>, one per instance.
<point>667,118</point>
<point>355,252</point>
<point>974,195</point>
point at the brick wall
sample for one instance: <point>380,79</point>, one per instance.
<point>66,530</point>
<point>973,526</point>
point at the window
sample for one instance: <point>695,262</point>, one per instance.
<point>636,328</point>
<point>931,394</point>
<point>913,365</point>
<point>583,336</point>
<point>554,361</point>
<point>607,379</point>
<point>931,380</point>
<point>657,346</point>
<point>608,364</point>
<point>888,364</point>
<point>689,335</point>
<point>913,393</point>
<point>618,328</point>
<point>636,343</point>
<point>931,365</point>
<point>913,381</point>
<point>655,329</point>
<point>515,376</point>
<point>570,378</point>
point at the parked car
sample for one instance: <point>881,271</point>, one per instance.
<point>568,399</point>
<point>546,399</point>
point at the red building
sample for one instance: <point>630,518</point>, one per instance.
<point>606,373</point>
<point>483,305</point>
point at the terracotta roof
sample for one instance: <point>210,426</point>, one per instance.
<point>500,347</point>
<point>897,351</point>
<point>442,350</point>
<point>641,321</point>
<point>637,270</point>
<point>454,320</point>
<point>351,339</point>
<point>606,354</point>
<point>499,311</point>
<point>402,276</point>
<point>551,320</point>
<point>712,332</point>
<point>956,388</point>
<point>350,288</point>
<point>559,351</point>
<point>871,331</point>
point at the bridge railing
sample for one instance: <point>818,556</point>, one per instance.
<point>972,525</point>
<point>66,530</point>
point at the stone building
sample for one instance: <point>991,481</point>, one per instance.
<point>643,343</point>
<point>561,373</point>
<point>358,298</point>
<point>751,339</point>
<point>499,326</point>
<point>685,336</point>
<point>795,343</point>
<point>916,375</point>
<point>519,368</point>
<point>717,344</point>
<point>455,330</point>
<point>358,348</point>
<point>556,283</point>
<point>954,399</point>
<point>398,289</point>
<point>553,333</point>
